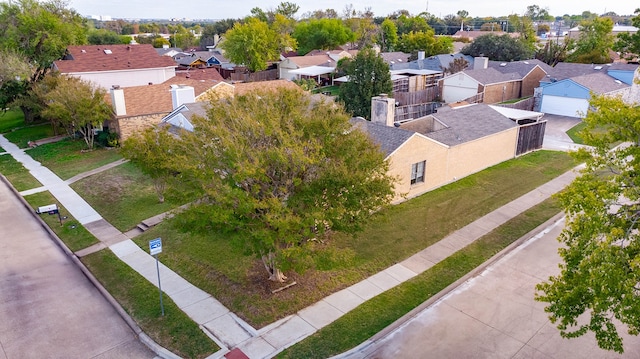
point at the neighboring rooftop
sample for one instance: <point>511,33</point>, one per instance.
<point>522,68</point>
<point>388,138</point>
<point>94,58</point>
<point>600,83</point>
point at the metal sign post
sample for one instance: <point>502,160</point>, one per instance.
<point>155,247</point>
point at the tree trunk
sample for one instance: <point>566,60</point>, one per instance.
<point>275,274</point>
<point>159,184</point>
<point>29,115</point>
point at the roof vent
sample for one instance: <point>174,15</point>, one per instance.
<point>618,82</point>
<point>107,51</point>
<point>503,64</point>
<point>83,51</point>
<point>526,62</point>
<point>598,68</point>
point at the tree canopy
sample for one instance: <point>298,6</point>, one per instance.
<point>368,76</point>
<point>498,48</point>
<point>252,43</point>
<point>600,270</point>
<point>281,172</point>
<point>321,34</point>
<point>594,43</point>
<point>629,44</point>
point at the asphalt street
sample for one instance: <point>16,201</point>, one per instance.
<point>48,308</point>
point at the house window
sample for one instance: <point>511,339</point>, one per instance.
<point>417,172</point>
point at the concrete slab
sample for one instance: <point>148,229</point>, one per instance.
<point>189,296</point>
<point>458,240</point>
<point>344,300</point>
<point>91,249</point>
<point>257,348</point>
<point>173,283</point>
<point>400,272</point>
<point>33,191</point>
<point>383,280</point>
<point>436,252</point>
<point>320,314</point>
<point>205,310</point>
<point>125,248</point>
<point>365,289</point>
<point>417,263</point>
<point>227,330</point>
<point>289,331</point>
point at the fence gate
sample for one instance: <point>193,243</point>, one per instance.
<point>530,137</point>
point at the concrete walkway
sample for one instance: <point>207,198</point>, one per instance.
<point>224,327</point>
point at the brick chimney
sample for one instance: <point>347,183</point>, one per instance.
<point>480,63</point>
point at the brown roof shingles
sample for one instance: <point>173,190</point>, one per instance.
<point>94,58</point>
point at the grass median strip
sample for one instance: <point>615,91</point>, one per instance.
<point>174,331</point>
<point>15,172</point>
<point>374,315</point>
<point>71,232</point>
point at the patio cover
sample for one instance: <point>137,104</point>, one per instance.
<point>313,70</point>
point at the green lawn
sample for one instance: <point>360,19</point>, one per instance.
<point>374,315</point>
<point>23,135</point>
<point>19,177</point>
<point>10,120</point>
<point>68,158</point>
<point>174,331</point>
<point>573,132</point>
<point>211,262</point>
<point>124,196</point>
<point>71,232</point>
<point>332,90</point>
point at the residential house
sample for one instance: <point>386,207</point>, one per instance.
<point>574,33</point>
<point>169,51</point>
<point>116,65</point>
<point>314,65</point>
<point>570,97</point>
<point>440,148</point>
<point>493,82</point>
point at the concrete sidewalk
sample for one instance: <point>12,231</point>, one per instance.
<point>224,327</point>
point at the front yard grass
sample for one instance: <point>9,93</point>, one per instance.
<point>68,157</point>
<point>19,177</point>
<point>123,195</point>
<point>9,120</point>
<point>573,132</point>
<point>174,331</point>
<point>23,135</point>
<point>374,315</point>
<point>212,263</point>
<point>71,232</point>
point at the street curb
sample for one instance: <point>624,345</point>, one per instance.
<point>143,337</point>
<point>360,350</point>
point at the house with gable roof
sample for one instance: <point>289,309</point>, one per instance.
<point>314,64</point>
<point>116,65</point>
<point>434,150</point>
<point>493,81</point>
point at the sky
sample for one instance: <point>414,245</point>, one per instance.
<point>224,9</point>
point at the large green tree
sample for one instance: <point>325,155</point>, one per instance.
<point>413,42</point>
<point>594,43</point>
<point>498,48</point>
<point>40,32</point>
<point>252,43</point>
<point>387,36</point>
<point>280,172</point>
<point>78,106</point>
<point>598,286</point>
<point>321,34</point>
<point>369,76</point>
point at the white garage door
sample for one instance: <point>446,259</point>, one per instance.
<point>564,106</point>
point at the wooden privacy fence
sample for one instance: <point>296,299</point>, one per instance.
<point>430,94</point>
<point>530,137</point>
<point>415,111</point>
<point>526,104</point>
<point>266,75</point>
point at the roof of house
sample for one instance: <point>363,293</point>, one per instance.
<point>316,60</point>
<point>207,73</point>
<point>166,50</point>
<point>94,58</point>
<point>391,58</point>
<point>388,138</point>
<point>491,76</point>
<point>600,83</point>
<point>522,68</point>
<point>467,123</point>
<point>567,70</point>
<point>180,118</point>
<point>434,63</point>
<point>149,99</point>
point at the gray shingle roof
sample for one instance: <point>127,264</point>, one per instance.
<point>435,63</point>
<point>522,68</point>
<point>566,70</point>
<point>491,76</point>
<point>600,83</point>
<point>388,138</point>
<point>468,123</point>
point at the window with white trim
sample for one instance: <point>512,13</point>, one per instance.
<point>417,172</point>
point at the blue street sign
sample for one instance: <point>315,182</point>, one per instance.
<point>155,246</point>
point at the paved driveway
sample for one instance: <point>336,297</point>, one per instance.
<point>494,316</point>
<point>48,308</point>
<point>555,137</point>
